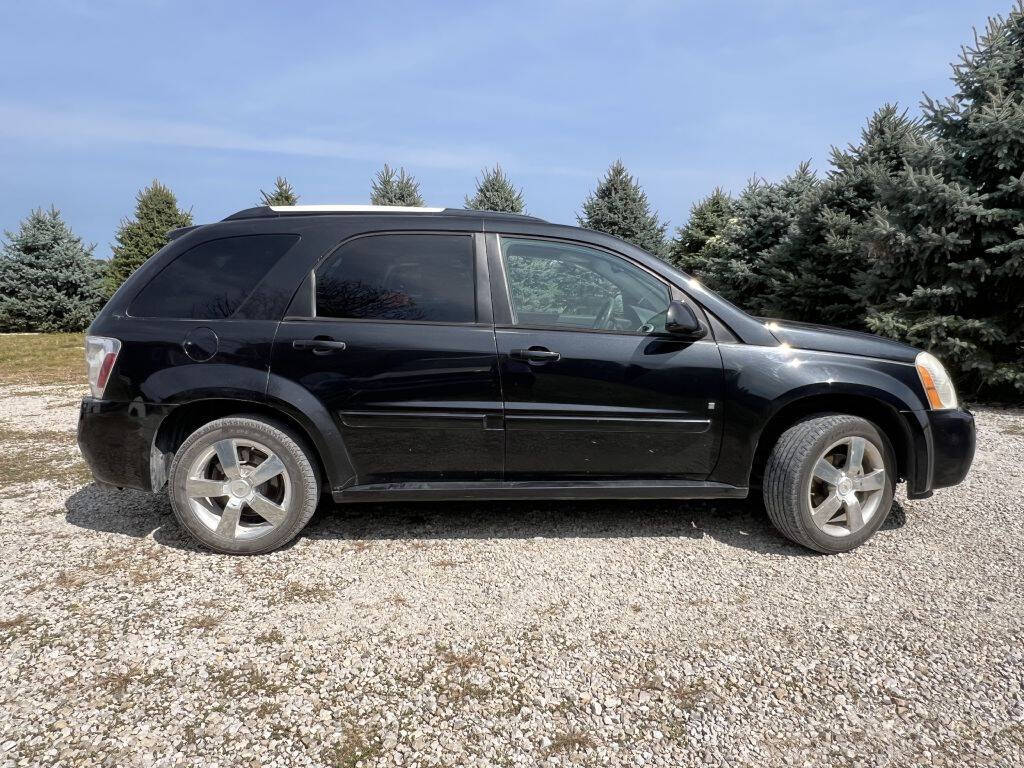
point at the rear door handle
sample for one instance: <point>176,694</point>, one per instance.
<point>323,346</point>
<point>535,355</point>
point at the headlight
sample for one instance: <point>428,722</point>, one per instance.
<point>936,382</point>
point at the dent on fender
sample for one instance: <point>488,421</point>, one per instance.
<point>780,374</point>
<point>762,381</point>
<point>193,381</point>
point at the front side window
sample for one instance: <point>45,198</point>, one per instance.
<point>211,280</point>
<point>427,278</point>
<point>569,286</point>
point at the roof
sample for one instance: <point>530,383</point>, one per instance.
<point>269,211</point>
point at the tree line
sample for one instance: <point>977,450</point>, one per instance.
<point>915,232</point>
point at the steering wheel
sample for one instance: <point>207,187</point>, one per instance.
<point>604,315</point>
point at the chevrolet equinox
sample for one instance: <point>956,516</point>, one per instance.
<point>284,354</point>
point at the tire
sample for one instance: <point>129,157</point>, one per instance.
<point>800,492</point>
<point>237,517</point>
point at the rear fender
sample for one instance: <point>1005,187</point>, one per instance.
<point>308,411</point>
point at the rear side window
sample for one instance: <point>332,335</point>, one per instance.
<point>213,279</point>
<point>428,278</point>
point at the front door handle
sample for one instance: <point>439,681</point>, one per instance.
<point>535,355</point>
<point>320,345</point>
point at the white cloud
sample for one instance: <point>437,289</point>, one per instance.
<point>74,129</point>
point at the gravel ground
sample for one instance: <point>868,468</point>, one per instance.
<point>503,634</point>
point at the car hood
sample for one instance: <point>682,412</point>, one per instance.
<point>826,339</point>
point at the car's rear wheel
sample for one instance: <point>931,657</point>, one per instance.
<point>829,482</point>
<point>243,485</point>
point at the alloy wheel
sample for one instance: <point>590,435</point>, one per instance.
<point>239,488</point>
<point>847,486</point>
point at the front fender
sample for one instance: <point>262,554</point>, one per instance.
<point>763,383</point>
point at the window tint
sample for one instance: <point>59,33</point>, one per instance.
<point>400,277</point>
<point>561,285</point>
<point>211,280</point>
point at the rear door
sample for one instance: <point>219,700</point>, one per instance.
<point>594,387</point>
<point>399,346</point>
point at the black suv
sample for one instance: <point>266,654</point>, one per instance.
<point>259,363</point>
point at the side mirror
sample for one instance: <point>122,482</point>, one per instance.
<point>681,320</point>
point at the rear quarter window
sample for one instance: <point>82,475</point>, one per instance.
<point>211,280</point>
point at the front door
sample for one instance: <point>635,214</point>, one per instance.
<point>594,388</point>
<point>395,350</point>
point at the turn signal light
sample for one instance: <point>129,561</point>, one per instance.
<point>938,387</point>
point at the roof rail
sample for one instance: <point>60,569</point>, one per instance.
<point>266,211</point>
<point>353,209</point>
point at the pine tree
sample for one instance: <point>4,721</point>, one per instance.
<point>708,220</point>
<point>818,270</point>
<point>283,194</point>
<point>949,249</point>
<point>494,192</point>
<point>738,263</point>
<point>620,207</point>
<point>395,188</point>
<point>48,278</point>
<point>156,213</point>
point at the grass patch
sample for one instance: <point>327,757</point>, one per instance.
<point>272,637</point>
<point>571,741</point>
<point>205,622</point>
<point>26,457</point>
<point>461,661</point>
<point>42,358</point>
<point>293,592</point>
<point>246,680</point>
<point>457,693</point>
<point>16,626</point>
<point>70,580</point>
<point>118,682</point>
<point>353,750</point>
<point>689,696</point>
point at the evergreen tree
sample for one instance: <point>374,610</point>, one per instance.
<point>494,192</point>
<point>620,207</point>
<point>738,263</point>
<point>708,220</point>
<point>395,188</point>
<point>949,248</point>
<point>818,270</point>
<point>283,194</point>
<point>156,213</point>
<point>48,278</point>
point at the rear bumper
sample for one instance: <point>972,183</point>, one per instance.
<point>944,443</point>
<point>117,442</point>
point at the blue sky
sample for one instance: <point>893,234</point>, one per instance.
<point>217,98</point>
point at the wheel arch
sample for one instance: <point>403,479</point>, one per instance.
<point>185,418</point>
<point>883,415</point>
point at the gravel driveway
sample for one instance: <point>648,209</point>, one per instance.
<point>503,634</point>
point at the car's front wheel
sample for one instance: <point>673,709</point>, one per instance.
<point>829,482</point>
<point>243,485</point>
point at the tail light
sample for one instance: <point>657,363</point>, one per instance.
<point>100,356</point>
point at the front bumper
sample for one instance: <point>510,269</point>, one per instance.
<point>117,442</point>
<point>943,450</point>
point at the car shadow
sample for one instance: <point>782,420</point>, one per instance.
<point>740,524</point>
